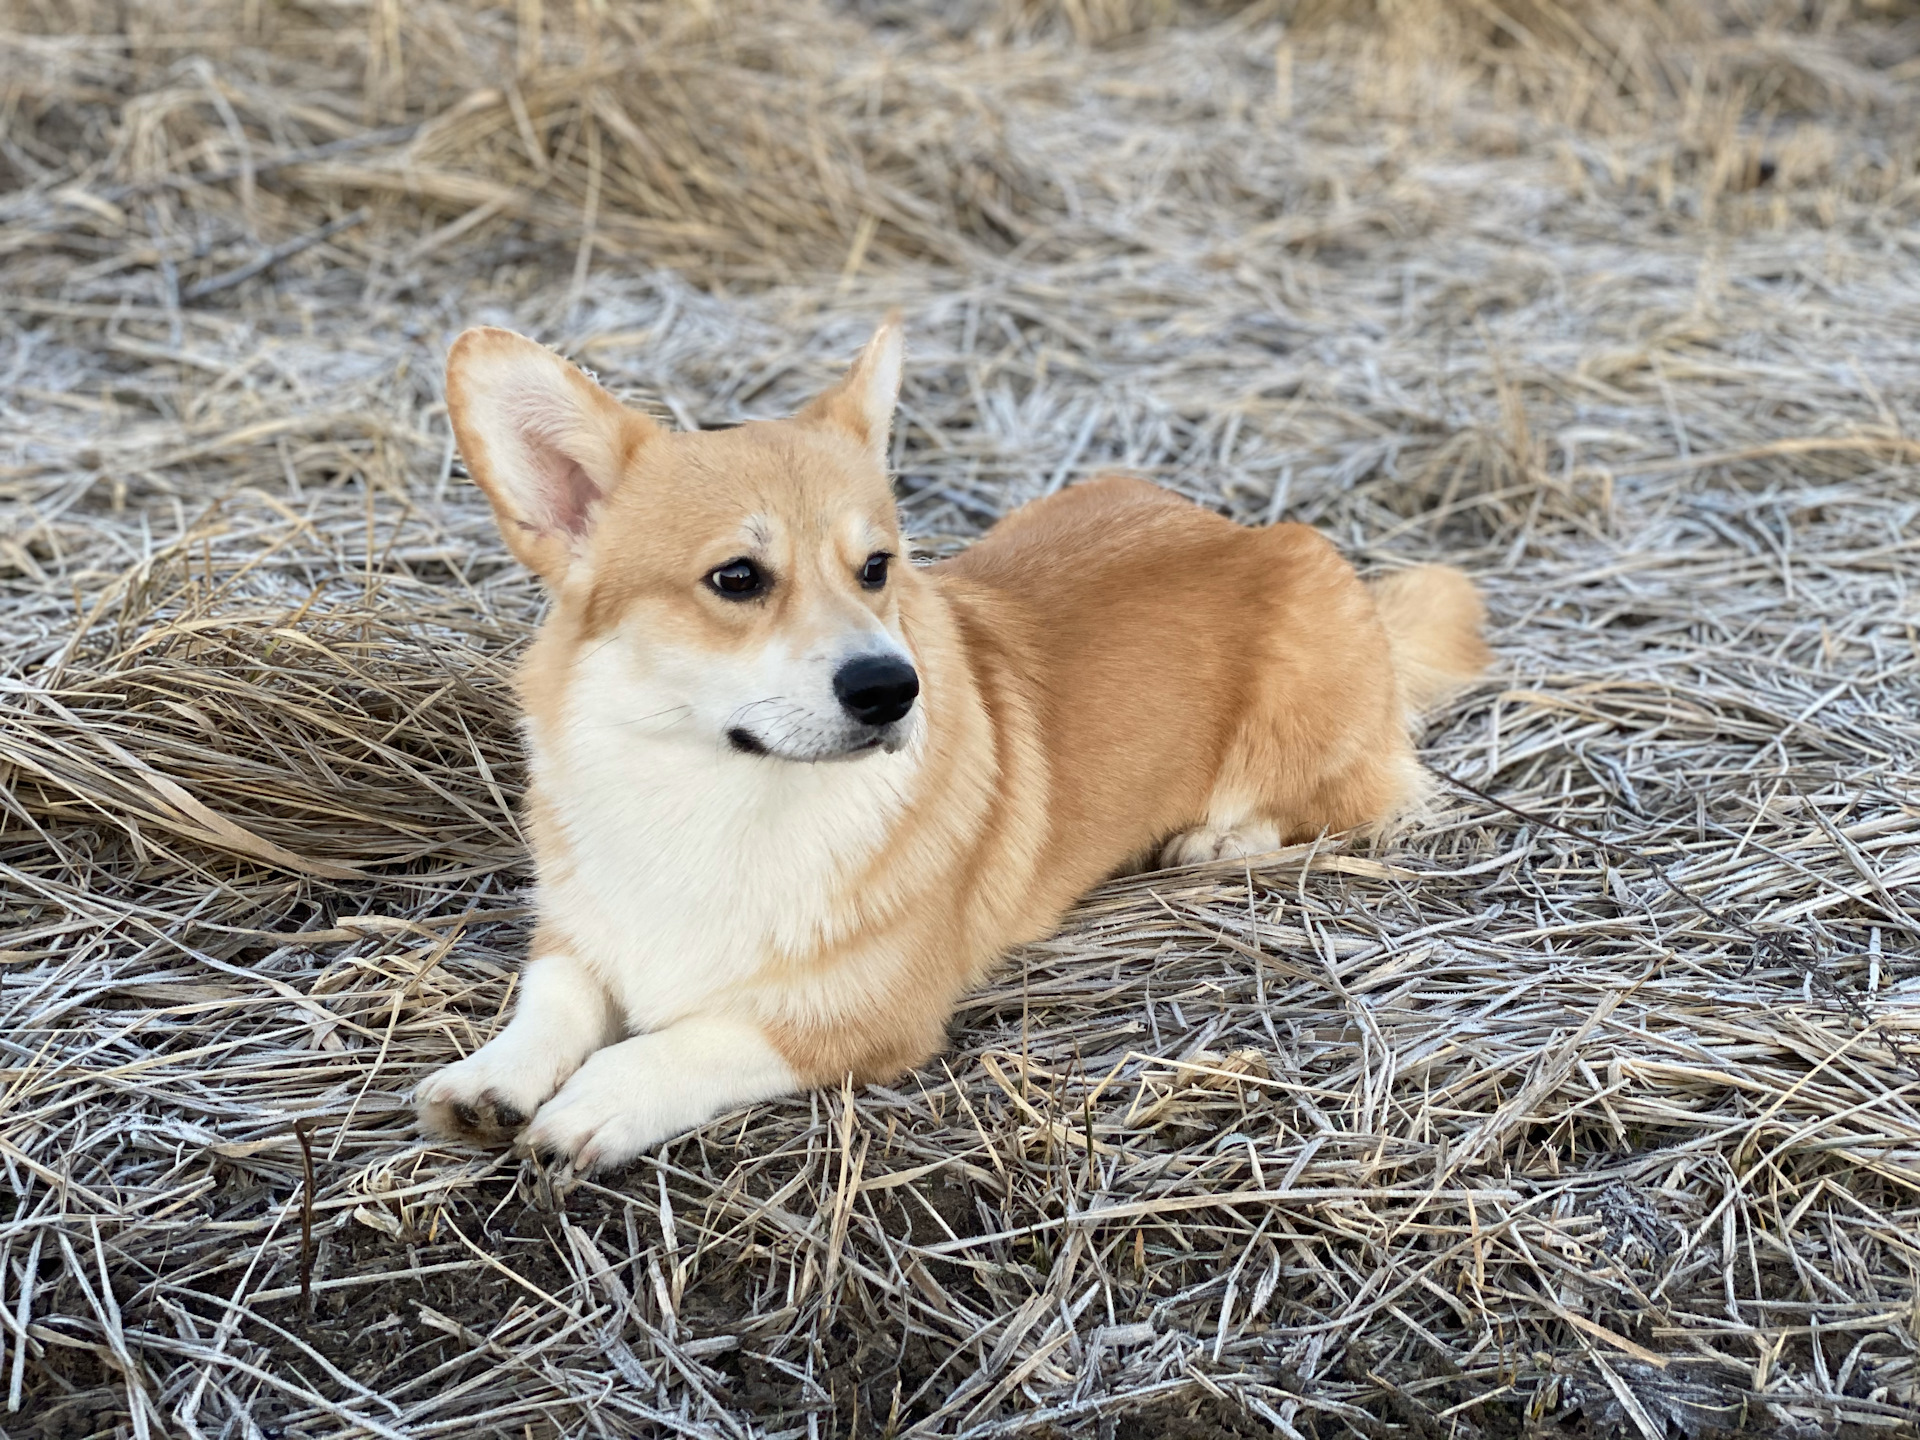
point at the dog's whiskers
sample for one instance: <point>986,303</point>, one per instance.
<point>686,712</point>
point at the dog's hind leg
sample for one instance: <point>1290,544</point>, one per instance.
<point>1225,836</point>
<point>1367,797</point>
<point>1345,764</point>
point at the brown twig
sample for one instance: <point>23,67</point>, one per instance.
<point>303,1133</point>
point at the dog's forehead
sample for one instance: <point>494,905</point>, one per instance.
<point>848,527</point>
<point>768,483</point>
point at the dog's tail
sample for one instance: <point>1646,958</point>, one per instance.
<point>1433,616</point>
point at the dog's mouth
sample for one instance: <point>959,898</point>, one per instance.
<point>887,737</point>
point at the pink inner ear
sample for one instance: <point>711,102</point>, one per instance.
<point>563,491</point>
<point>570,492</point>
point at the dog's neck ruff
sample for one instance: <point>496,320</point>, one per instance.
<point>684,867</point>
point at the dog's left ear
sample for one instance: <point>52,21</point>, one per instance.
<point>861,404</point>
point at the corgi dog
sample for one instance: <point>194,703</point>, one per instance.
<point>791,795</point>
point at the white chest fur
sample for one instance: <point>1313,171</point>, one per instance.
<point>687,864</point>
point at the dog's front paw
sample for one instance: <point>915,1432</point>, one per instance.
<point>629,1097</point>
<point>485,1099</point>
<point>606,1115</point>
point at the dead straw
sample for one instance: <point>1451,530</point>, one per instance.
<point>1486,1129</point>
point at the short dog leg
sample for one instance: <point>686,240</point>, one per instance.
<point>563,1015</point>
<point>630,1096</point>
<point>1221,841</point>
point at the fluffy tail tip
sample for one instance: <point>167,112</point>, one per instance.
<point>1433,615</point>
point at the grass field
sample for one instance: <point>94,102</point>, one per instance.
<point>1492,1131</point>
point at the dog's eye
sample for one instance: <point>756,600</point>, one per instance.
<point>874,573</point>
<point>738,580</point>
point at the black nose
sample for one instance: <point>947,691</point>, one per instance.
<point>876,689</point>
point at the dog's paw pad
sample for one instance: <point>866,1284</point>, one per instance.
<point>486,1119</point>
<point>452,1107</point>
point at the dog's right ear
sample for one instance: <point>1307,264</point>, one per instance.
<point>544,442</point>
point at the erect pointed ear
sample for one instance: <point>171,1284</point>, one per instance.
<point>542,439</point>
<point>862,402</point>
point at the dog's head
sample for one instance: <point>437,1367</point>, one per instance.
<point>744,587</point>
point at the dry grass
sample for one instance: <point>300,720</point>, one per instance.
<point>1615,304</point>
